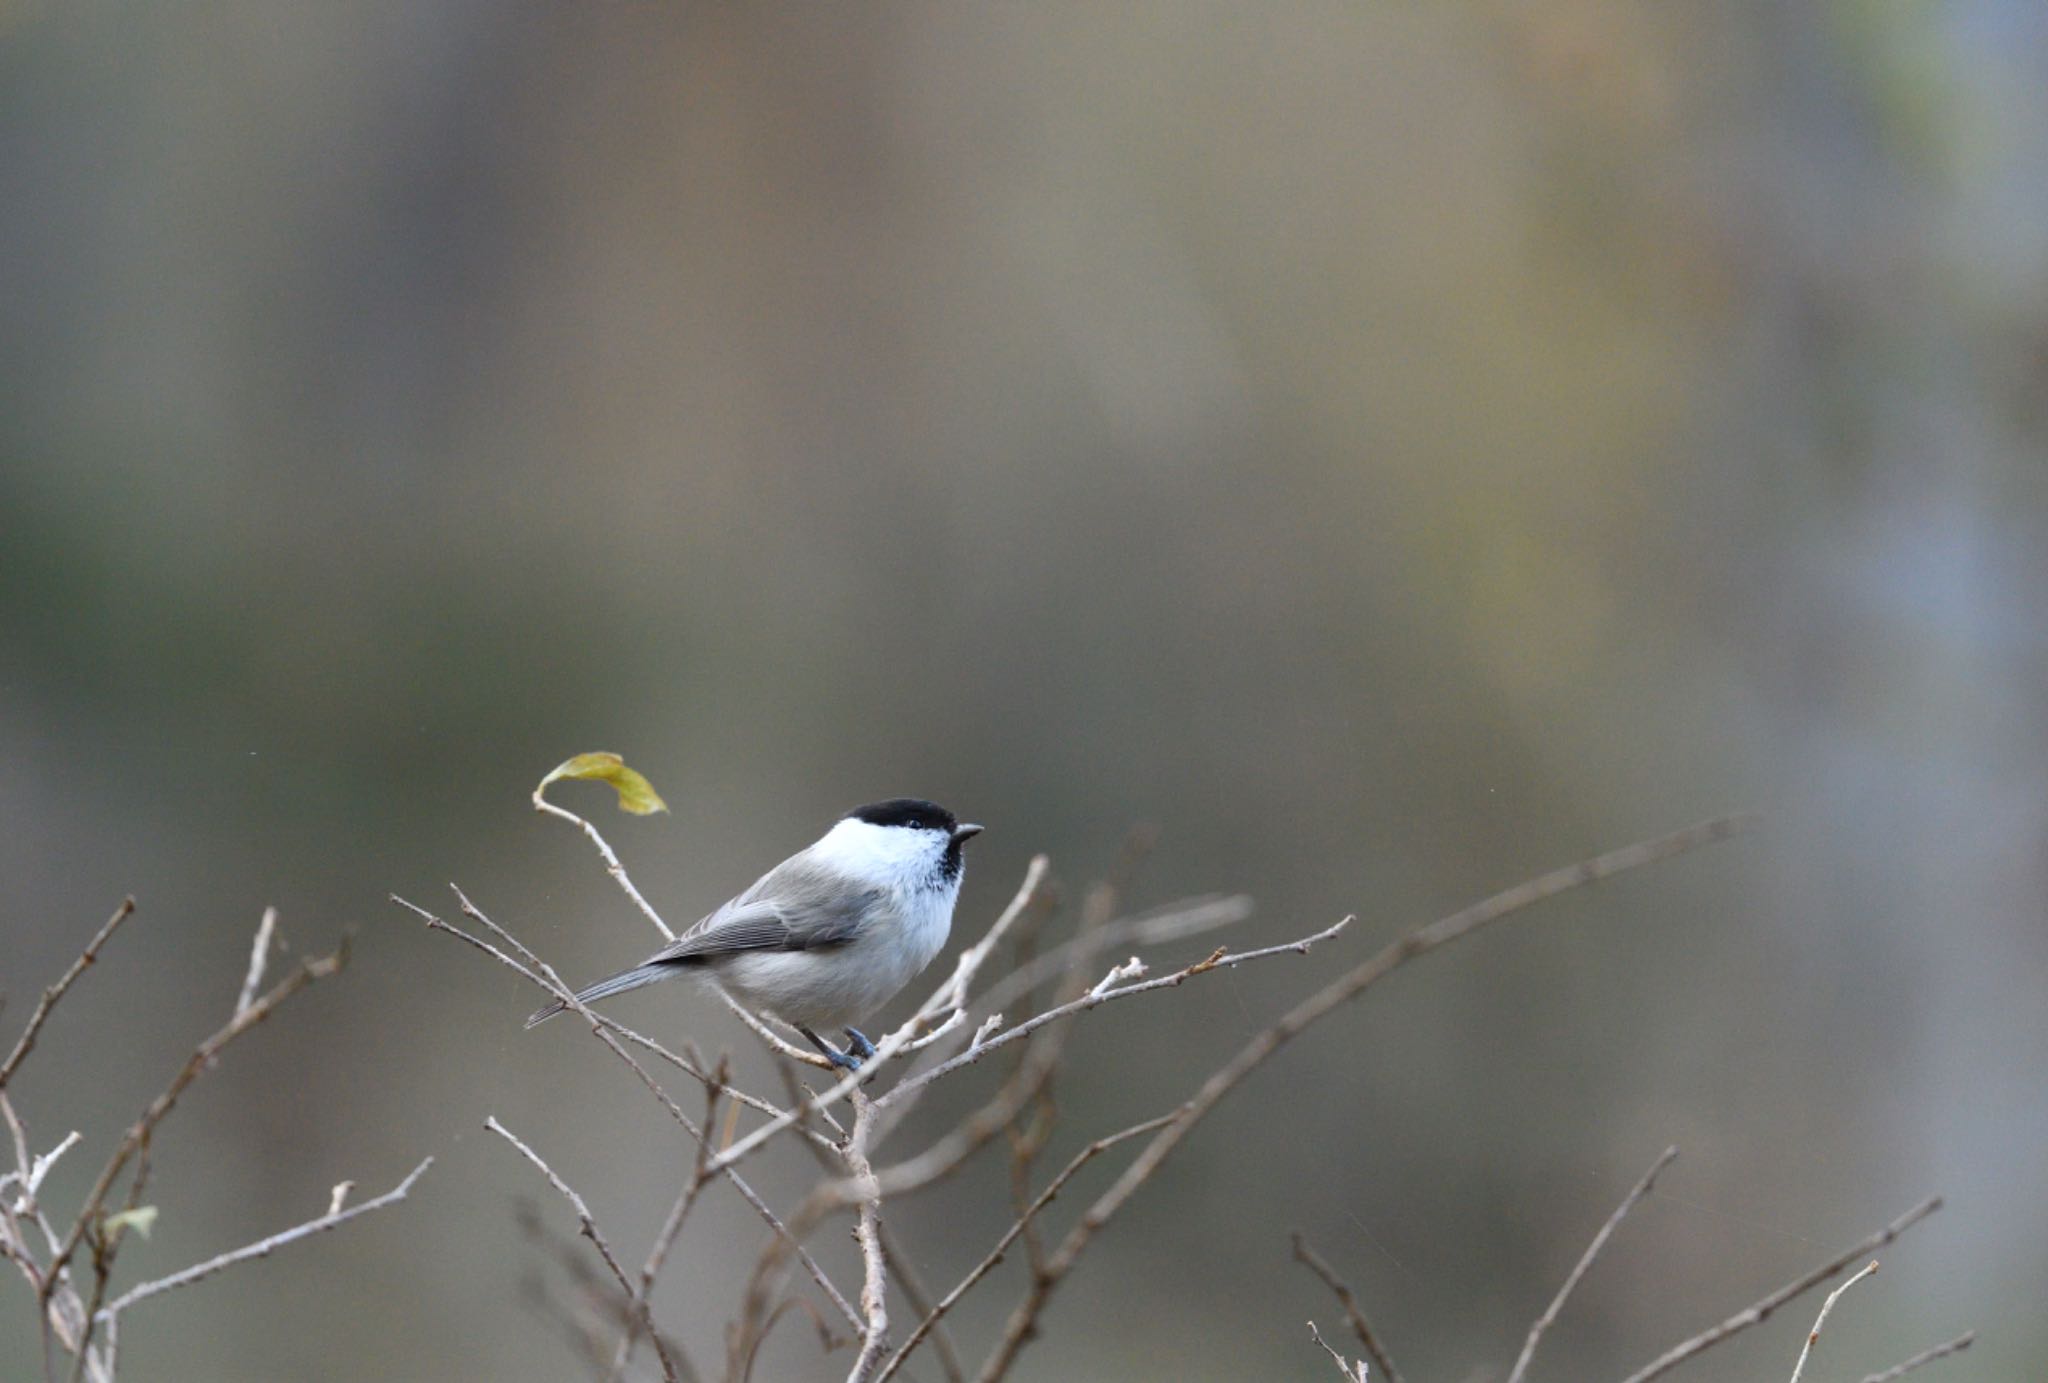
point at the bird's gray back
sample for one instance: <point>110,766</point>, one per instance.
<point>798,905</point>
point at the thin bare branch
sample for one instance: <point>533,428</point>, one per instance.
<point>1023,1321</point>
<point>1175,922</point>
<point>995,1255</point>
<point>1353,1373</point>
<point>1571,1282</point>
<point>262,1248</point>
<point>642,1295</point>
<point>1095,998</point>
<point>874,1290</point>
<point>1813,1335</point>
<point>920,1300</point>
<point>1927,1356</point>
<point>636,1308</point>
<point>1348,1299</point>
<point>638,1039</point>
<point>259,956</point>
<point>939,1033</point>
<point>137,1138</point>
<point>1033,901</point>
<point>27,1040</point>
<point>771,1039</point>
<point>40,1168</point>
<point>602,1028</point>
<point>586,1222</point>
<point>611,861</point>
<point>1041,1058</point>
<point>1757,1314</point>
<point>953,993</point>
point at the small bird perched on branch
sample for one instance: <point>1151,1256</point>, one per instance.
<point>833,932</point>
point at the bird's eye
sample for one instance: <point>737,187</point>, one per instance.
<point>914,824</point>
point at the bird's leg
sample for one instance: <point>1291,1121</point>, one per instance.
<point>857,1043</point>
<point>834,1055</point>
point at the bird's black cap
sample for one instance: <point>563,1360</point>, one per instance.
<point>905,811</point>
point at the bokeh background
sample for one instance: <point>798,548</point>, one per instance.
<point>1392,448</point>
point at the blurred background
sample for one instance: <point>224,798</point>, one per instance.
<point>1393,449</point>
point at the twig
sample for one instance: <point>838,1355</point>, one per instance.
<point>611,861</point>
<point>1813,1335</point>
<point>55,992</point>
<point>1571,1282</point>
<point>974,1132</point>
<point>953,993</point>
<point>259,956</point>
<point>938,1033</point>
<point>585,1221</point>
<point>1024,1320</point>
<point>995,1255</point>
<point>1033,899</point>
<point>636,1308</point>
<point>31,1183</point>
<point>1095,998</point>
<point>1174,922</point>
<point>602,1020</point>
<point>874,1290</point>
<point>920,1301</point>
<point>747,1193</point>
<point>137,1137</point>
<point>262,1248</point>
<point>641,1296</point>
<point>1955,1346</point>
<point>1353,1373</point>
<point>602,1027</point>
<point>771,1039</point>
<point>1348,1299</point>
<point>1754,1315</point>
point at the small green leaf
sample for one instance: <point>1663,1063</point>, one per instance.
<point>141,1219</point>
<point>636,794</point>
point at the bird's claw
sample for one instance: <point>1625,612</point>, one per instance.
<point>844,1061</point>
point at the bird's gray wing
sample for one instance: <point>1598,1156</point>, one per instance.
<point>795,906</point>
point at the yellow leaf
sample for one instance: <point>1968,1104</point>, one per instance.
<point>636,794</point>
<point>141,1219</point>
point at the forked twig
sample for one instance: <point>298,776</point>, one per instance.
<point>1757,1314</point>
<point>605,1021</point>
<point>602,1029</point>
<point>1024,1319</point>
<point>262,1248</point>
<point>137,1137</point>
<point>1353,1373</point>
<point>995,1255</point>
<point>636,1307</point>
<point>1348,1299</point>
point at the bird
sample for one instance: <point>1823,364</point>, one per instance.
<point>831,934</point>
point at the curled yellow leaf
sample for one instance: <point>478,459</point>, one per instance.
<point>142,1219</point>
<point>636,794</point>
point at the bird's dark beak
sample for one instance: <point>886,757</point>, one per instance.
<point>962,834</point>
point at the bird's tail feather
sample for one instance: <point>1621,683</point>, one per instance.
<point>605,988</point>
